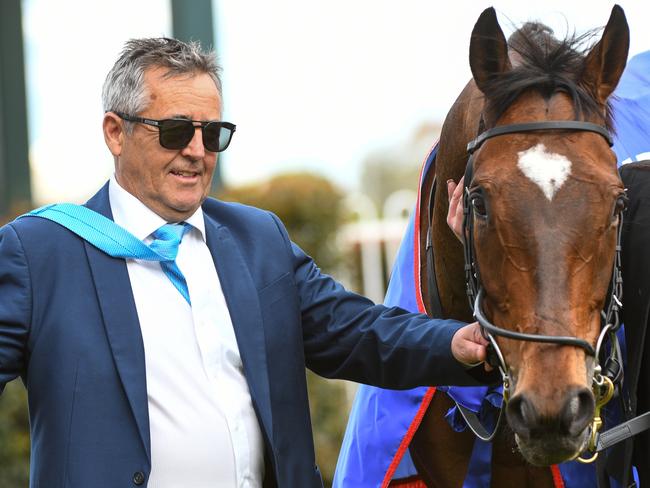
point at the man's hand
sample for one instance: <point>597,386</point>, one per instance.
<point>468,346</point>
<point>455,213</point>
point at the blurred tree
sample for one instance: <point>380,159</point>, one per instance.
<point>14,437</point>
<point>311,209</point>
<point>309,205</point>
<point>329,410</point>
<point>14,421</point>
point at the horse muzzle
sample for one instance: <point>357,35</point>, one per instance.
<point>549,436</point>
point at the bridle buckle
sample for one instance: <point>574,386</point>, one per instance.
<point>603,388</point>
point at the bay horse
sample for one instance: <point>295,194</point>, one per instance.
<point>543,198</point>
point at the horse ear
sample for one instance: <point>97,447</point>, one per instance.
<point>488,49</point>
<point>605,62</point>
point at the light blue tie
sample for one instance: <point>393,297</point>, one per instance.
<point>117,242</point>
<point>166,241</point>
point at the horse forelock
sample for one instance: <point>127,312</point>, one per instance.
<point>543,63</point>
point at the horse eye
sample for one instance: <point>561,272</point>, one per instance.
<point>621,204</point>
<point>478,204</point>
<point>619,207</point>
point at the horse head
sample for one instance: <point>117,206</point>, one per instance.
<point>545,202</point>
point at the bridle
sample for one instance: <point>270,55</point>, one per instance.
<point>604,379</point>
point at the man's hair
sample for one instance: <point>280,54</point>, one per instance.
<point>124,89</point>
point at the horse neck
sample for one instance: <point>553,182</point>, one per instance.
<point>460,127</point>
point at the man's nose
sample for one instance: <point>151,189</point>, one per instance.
<point>195,149</point>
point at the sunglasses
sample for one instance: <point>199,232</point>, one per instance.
<point>177,133</point>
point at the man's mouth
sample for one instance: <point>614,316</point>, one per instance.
<point>185,174</point>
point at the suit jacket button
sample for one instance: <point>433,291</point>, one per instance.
<point>138,478</point>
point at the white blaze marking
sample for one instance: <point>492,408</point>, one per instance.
<point>547,170</point>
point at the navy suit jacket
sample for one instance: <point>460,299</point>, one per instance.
<point>69,328</point>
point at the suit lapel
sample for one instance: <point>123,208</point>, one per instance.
<point>123,327</point>
<point>121,322</point>
<point>243,304</point>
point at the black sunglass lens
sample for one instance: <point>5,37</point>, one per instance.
<point>216,137</point>
<point>225,136</point>
<point>211,133</point>
<point>176,134</point>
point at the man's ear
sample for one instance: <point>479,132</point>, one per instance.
<point>113,133</point>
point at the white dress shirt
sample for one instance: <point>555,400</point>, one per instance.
<point>204,431</point>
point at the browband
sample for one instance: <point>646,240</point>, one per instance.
<point>535,126</point>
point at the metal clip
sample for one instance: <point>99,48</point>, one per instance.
<point>603,391</point>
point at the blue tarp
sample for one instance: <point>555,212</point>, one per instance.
<point>380,420</point>
<point>631,105</point>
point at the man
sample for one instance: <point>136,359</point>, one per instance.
<point>188,372</point>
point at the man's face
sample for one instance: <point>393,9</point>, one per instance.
<point>171,182</point>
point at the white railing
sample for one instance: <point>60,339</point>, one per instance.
<point>376,240</point>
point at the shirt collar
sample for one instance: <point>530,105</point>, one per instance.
<point>137,218</point>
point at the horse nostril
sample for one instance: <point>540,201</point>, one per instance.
<point>522,415</point>
<point>578,411</point>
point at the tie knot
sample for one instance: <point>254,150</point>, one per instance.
<point>167,238</point>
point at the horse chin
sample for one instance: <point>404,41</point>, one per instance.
<point>552,449</point>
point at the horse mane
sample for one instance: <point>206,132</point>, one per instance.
<point>547,65</point>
